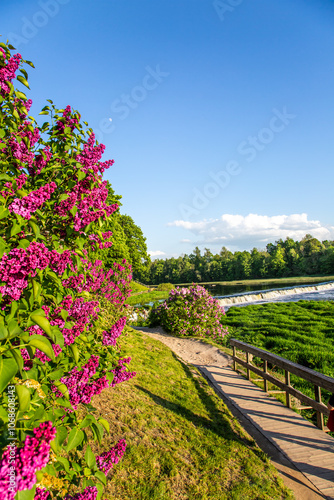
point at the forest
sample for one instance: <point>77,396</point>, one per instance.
<point>307,257</point>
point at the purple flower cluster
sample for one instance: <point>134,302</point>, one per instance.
<point>33,201</point>
<point>110,338</point>
<point>79,384</point>
<point>41,494</point>
<point>120,373</point>
<point>90,203</point>
<point>33,456</point>
<point>90,493</point>
<point>21,263</point>
<point>91,155</point>
<point>108,459</point>
<point>66,121</point>
<point>7,70</point>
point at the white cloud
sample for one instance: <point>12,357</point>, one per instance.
<point>156,253</point>
<point>252,230</point>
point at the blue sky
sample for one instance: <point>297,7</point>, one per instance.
<point>219,114</point>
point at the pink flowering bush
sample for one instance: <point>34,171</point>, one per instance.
<point>192,312</point>
<point>61,310</point>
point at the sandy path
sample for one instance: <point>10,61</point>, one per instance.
<point>190,350</point>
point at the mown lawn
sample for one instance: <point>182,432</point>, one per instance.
<point>183,443</point>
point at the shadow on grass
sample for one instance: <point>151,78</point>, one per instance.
<point>219,420</point>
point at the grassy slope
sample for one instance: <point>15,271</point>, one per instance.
<point>183,443</point>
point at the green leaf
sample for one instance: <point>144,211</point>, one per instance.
<point>43,113</point>
<point>87,421</point>
<point>23,81</point>
<point>16,228</point>
<point>3,332</point>
<point>13,328</point>
<point>35,228</point>
<point>42,322</point>
<point>26,494</point>
<point>65,463</point>
<point>4,212</point>
<point>64,314</point>
<point>100,490</point>
<point>24,243</point>
<point>43,344</point>
<point>74,439</point>
<point>105,424</point>
<point>101,477</point>
<point>20,95</point>
<point>8,368</point>
<point>75,352</point>
<point>23,394</point>
<point>18,358</point>
<point>81,175</point>
<point>90,457</point>
<point>61,435</point>
<point>2,247</point>
<point>62,388</point>
<point>2,145</point>
<point>37,288</point>
<point>56,375</point>
<point>2,133</point>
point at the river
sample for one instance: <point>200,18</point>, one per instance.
<point>319,291</point>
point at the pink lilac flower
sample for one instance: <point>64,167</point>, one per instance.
<point>33,456</point>
<point>66,121</point>
<point>90,493</point>
<point>7,71</point>
<point>108,459</point>
<point>120,373</point>
<point>41,494</point>
<point>110,338</point>
<point>33,201</point>
<point>81,386</point>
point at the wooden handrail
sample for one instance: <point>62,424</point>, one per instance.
<point>318,380</point>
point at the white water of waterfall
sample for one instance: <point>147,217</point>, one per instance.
<point>321,291</point>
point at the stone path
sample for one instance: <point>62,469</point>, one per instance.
<point>307,452</point>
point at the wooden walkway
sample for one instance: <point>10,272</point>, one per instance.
<point>307,447</point>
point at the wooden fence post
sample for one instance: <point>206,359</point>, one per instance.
<point>234,355</point>
<point>320,416</point>
<point>265,370</point>
<point>287,394</point>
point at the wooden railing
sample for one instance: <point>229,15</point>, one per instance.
<point>318,380</point>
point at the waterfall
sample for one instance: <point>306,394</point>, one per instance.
<point>268,295</point>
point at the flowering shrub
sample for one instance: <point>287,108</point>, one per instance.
<point>190,311</point>
<point>61,310</point>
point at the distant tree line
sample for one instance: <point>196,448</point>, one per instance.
<point>282,259</point>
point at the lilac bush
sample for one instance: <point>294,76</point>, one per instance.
<point>61,310</point>
<point>191,312</point>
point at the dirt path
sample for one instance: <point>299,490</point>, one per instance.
<point>190,350</point>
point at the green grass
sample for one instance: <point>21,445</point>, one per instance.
<point>144,298</point>
<point>183,443</point>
